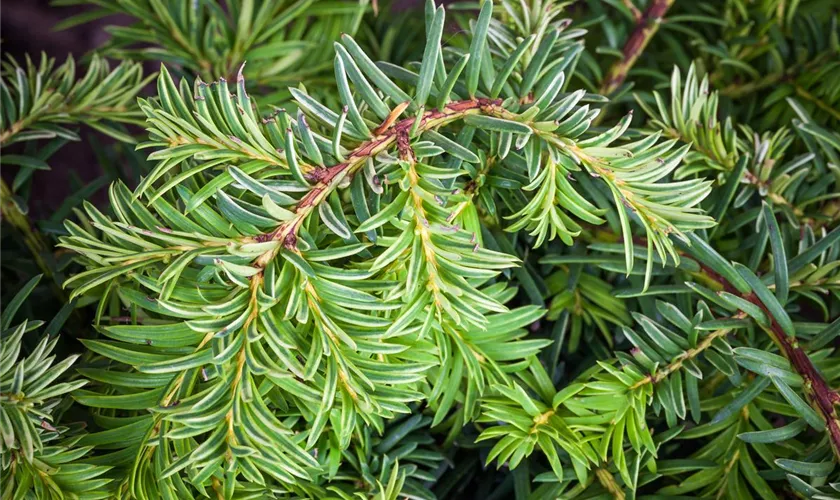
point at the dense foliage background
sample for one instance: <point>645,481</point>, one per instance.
<point>585,249</point>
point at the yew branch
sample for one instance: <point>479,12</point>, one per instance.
<point>819,394</point>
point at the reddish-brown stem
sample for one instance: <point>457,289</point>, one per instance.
<point>819,394</point>
<point>646,27</point>
<point>328,178</point>
<point>821,397</point>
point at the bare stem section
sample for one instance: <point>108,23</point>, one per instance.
<point>646,27</point>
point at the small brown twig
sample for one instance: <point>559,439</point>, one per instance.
<point>647,25</point>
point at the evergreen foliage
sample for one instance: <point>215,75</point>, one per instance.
<point>500,264</point>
